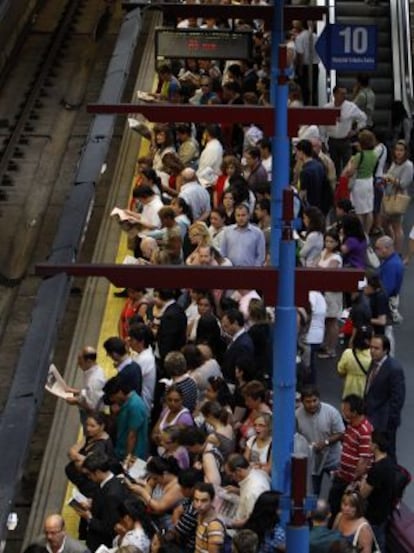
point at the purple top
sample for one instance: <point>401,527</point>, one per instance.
<point>356,256</point>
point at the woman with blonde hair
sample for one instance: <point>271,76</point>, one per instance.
<point>199,237</point>
<point>259,446</point>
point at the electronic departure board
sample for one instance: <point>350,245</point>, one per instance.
<point>199,43</point>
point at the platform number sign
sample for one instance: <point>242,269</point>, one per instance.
<point>348,47</point>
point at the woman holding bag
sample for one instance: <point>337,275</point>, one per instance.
<point>360,170</point>
<point>397,180</point>
<point>353,526</point>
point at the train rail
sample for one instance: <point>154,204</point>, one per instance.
<point>52,199</point>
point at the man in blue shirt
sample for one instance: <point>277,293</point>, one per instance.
<point>321,537</point>
<point>391,270</point>
<point>131,419</point>
<point>391,274</point>
<point>244,243</point>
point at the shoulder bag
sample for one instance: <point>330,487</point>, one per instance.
<point>359,362</point>
<point>375,548</point>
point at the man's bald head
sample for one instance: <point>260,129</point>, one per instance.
<point>55,520</point>
<point>188,174</point>
<point>54,529</point>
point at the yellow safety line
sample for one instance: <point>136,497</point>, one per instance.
<point>109,327</point>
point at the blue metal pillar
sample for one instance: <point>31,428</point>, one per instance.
<point>283,255</point>
<point>297,539</point>
<point>280,142</point>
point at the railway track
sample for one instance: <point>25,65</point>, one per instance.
<point>60,67</point>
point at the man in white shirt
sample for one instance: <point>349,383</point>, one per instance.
<point>141,339</point>
<point>212,155</point>
<point>195,195</point>
<point>88,398</point>
<point>151,203</point>
<point>339,136</point>
<point>251,482</point>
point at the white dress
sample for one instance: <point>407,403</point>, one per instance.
<point>333,299</point>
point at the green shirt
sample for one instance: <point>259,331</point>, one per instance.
<point>365,162</point>
<point>132,417</point>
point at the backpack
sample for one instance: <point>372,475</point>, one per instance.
<point>226,546</point>
<point>402,478</point>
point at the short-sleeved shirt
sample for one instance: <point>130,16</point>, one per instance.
<point>356,444</point>
<point>379,503</point>
<point>320,426</point>
<point>211,532</point>
<point>132,417</point>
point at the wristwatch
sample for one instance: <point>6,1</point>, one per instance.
<point>327,442</point>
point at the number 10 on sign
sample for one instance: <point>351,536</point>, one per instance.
<point>348,47</point>
<point>355,40</point>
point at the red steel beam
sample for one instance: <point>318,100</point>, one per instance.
<point>259,278</point>
<point>262,115</point>
<point>234,11</point>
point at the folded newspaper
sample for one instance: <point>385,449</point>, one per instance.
<point>55,383</point>
<point>77,500</point>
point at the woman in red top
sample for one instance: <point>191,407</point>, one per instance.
<point>230,166</point>
<point>135,304</point>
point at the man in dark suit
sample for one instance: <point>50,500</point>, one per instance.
<point>384,391</point>
<point>241,344</point>
<point>129,372</point>
<point>172,328</point>
<point>104,512</point>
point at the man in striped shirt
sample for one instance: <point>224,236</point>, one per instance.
<point>356,454</point>
<point>210,533</point>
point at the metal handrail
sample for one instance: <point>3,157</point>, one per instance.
<point>402,53</point>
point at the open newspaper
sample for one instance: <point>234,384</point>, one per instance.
<point>138,469</point>
<point>226,503</point>
<point>55,383</point>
